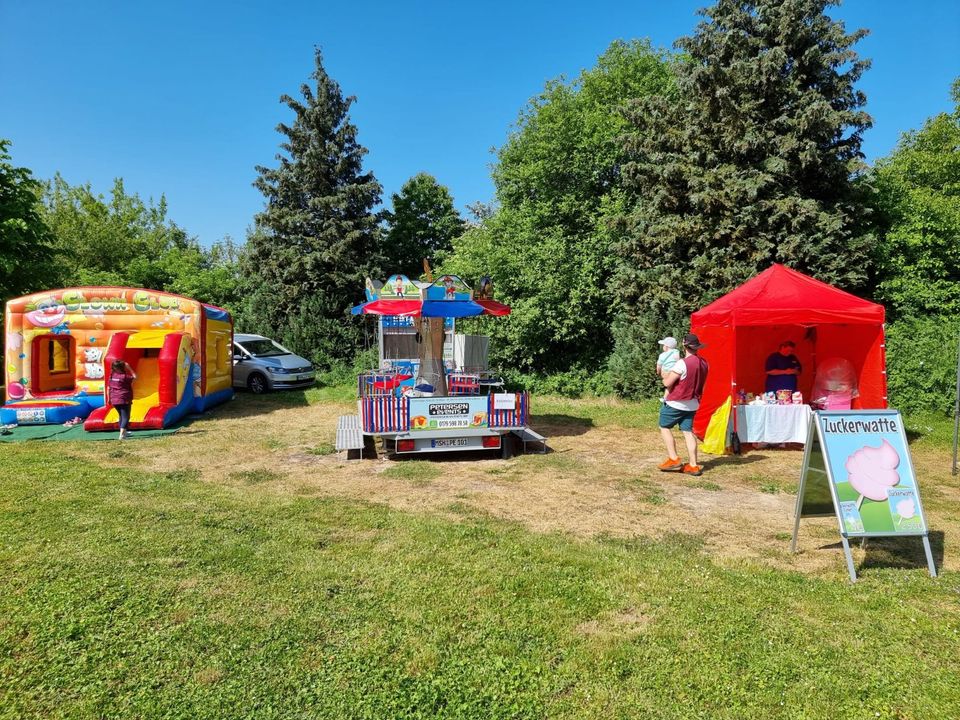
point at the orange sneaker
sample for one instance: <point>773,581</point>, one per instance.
<point>671,465</point>
<point>692,470</point>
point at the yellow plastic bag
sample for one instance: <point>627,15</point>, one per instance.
<point>715,439</point>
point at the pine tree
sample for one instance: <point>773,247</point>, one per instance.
<point>423,224</point>
<point>749,163</point>
<point>317,238</point>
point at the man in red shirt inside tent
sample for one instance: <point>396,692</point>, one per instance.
<point>684,385</point>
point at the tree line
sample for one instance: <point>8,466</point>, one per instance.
<point>625,199</point>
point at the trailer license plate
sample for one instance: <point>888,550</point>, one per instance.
<point>451,442</point>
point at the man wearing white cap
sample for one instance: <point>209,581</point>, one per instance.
<point>684,384</point>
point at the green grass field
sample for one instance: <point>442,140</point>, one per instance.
<point>132,592</point>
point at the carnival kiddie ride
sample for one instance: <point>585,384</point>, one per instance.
<point>433,391</point>
<point>60,346</point>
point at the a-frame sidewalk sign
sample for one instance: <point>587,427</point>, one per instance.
<point>857,467</point>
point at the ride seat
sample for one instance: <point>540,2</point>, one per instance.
<point>463,384</point>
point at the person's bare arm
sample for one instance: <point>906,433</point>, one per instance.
<point>671,379</point>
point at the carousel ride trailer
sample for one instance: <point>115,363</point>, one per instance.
<point>433,391</point>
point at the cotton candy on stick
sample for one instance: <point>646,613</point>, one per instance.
<point>872,470</point>
<point>906,509</point>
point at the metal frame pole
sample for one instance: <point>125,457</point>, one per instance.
<point>851,568</point>
<point>812,428</point>
<point>926,548</point>
<point>956,413</point>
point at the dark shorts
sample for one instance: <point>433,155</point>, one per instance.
<point>670,416</point>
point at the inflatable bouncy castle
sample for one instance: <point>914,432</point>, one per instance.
<point>60,346</point>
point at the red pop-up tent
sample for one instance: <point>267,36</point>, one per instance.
<point>742,328</point>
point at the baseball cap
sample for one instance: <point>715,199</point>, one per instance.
<point>670,342</point>
<point>692,341</point>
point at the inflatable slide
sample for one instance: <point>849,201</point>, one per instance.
<point>162,392</point>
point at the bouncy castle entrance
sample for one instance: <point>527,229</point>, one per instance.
<point>54,364</point>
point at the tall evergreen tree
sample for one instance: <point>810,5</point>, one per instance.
<point>750,163</point>
<point>422,224</point>
<point>317,238</point>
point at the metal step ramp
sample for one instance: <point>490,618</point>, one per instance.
<point>350,437</point>
<point>526,436</point>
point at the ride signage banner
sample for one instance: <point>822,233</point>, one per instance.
<point>857,467</point>
<point>448,413</point>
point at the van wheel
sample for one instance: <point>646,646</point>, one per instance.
<point>257,384</point>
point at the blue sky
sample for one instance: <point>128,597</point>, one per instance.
<point>181,98</point>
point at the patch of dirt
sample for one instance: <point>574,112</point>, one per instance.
<point>597,481</point>
<point>209,676</point>
<point>629,621</point>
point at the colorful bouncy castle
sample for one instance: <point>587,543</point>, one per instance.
<point>60,346</point>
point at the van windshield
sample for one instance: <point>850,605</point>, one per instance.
<point>263,348</point>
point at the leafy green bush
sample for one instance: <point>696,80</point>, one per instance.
<point>549,246</point>
<point>576,382</point>
<point>917,210</point>
<point>342,373</point>
<point>922,363</point>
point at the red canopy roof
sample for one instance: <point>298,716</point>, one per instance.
<point>781,296</point>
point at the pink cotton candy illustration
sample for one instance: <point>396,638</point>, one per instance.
<point>906,508</point>
<point>872,470</point>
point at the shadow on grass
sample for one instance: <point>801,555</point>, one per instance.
<point>556,425</point>
<point>443,456</point>
<point>913,435</point>
<point>904,552</point>
<point>747,448</point>
<point>732,460</point>
<point>246,403</point>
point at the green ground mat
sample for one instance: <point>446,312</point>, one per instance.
<point>23,433</point>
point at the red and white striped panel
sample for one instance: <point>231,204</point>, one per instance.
<point>385,414</point>
<point>510,418</point>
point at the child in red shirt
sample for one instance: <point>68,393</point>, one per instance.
<point>120,393</point>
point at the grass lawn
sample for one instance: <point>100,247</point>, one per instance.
<point>240,569</point>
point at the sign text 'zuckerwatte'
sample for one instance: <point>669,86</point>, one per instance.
<point>857,426</point>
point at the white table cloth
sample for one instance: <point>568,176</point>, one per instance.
<point>773,423</point>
